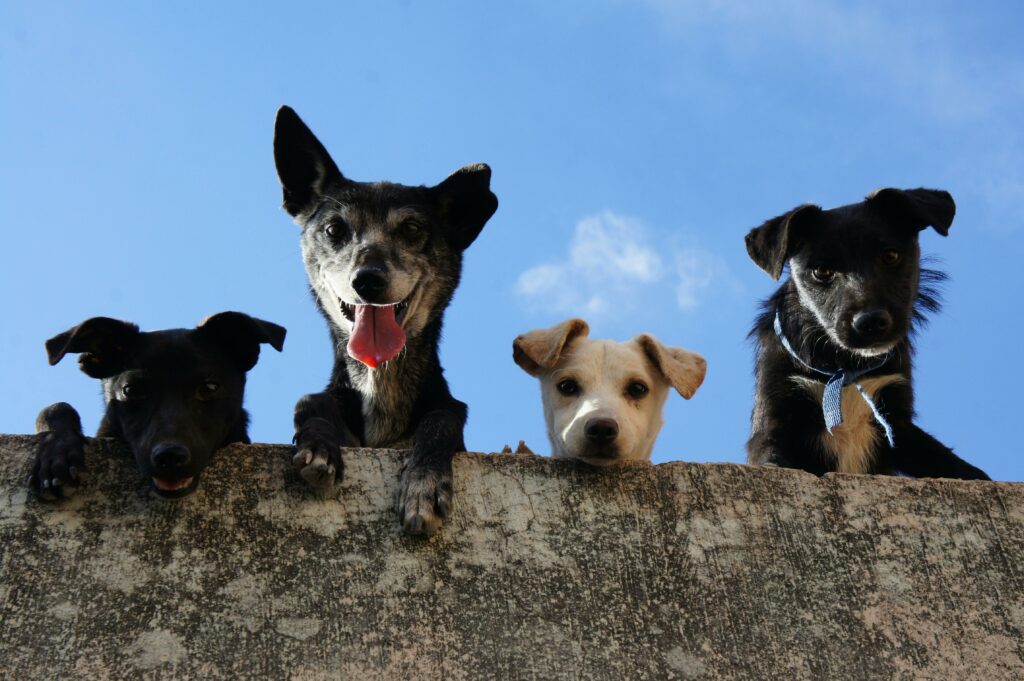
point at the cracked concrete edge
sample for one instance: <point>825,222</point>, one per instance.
<point>547,569</point>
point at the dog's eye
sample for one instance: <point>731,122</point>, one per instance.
<point>823,274</point>
<point>411,230</point>
<point>335,230</point>
<point>208,389</point>
<point>569,387</point>
<point>891,257</point>
<point>636,390</point>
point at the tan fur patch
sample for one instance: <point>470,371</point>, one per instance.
<point>852,443</point>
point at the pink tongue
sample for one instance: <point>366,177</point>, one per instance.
<point>377,337</point>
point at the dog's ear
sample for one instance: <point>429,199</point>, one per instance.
<point>103,343</point>
<point>683,369</point>
<point>467,203</point>
<point>538,350</point>
<point>916,208</point>
<point>240,336</point>
<point>303,164</point>
<point>771,244</point>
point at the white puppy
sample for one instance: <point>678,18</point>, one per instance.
<point>602,399</point>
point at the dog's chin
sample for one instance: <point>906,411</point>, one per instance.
<point>598,462</point>
<point>174,488</point>
<point>871,351</point>
<point>601,458</point>
<point>875,351</point>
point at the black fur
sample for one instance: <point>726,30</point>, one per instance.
<point>173,396</point>
<point>846,304</point>
<point>408,243</point>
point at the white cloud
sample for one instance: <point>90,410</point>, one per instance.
<point>695,272</point>
<point>613,267</point>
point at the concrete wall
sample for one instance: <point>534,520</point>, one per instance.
<point>545,571</point>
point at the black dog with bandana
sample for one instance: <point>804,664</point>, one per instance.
<point>834,342</point>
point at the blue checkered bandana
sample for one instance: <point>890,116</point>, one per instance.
<point>832,400</point>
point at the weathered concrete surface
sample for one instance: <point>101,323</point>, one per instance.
<point>545,571</point>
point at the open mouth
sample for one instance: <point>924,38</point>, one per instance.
<point>349,309</point>
<point>874,350</point>
<point>377,335</point>
<point>173,488</point>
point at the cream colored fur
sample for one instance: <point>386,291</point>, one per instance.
<point>604,371</point>
<point>853,442</point>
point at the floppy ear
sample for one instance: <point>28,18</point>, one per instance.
<point>917,208</point>
<point>684,370</point>
<point>538,350</point>
<point>103,342</point>
<point>303,164</point>
<point>240,336</point>
<point>769,245</point>
<point>467,202</point>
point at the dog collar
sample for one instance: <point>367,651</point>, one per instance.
<point>832,399</point>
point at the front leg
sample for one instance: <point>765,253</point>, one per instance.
<point>60,453</point>
<point>919,454</point>
<point>425,484</point>
<point>320,433</point>
<point>786,429</point>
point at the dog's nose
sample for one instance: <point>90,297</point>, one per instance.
<point>370,282</point>
<point>872,323</point>
<point>169,455</point>
<point>601,431</point>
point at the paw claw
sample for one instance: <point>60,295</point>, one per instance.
<point>302,458</point>
<point>424,500</point>
<point>320,477</point>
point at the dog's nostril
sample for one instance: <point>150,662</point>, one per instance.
<point>601,430</point>
<point>170,455</point>
<point>369,282</point>
<point>872,323</point>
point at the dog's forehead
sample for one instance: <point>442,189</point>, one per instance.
<point>175,352</point>
<point>379,201</point>
<point>607,358</point>
<point>856,226</point>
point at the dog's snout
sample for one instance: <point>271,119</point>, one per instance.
<point>601,430</point>
<point>872,323</point>
<point>370,282</point>
<point>170,455</point>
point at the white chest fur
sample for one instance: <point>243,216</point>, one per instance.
<point>853,443</point>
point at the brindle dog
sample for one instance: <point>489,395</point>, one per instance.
<point>383,261</point>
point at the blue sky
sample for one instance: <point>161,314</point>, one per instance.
<point>632,143</point>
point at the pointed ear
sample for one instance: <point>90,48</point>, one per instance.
<point>538,350</point>
<point>240,336</point>
<point>683,369</point>
<point>303,164</point>
<point>467,203</point>
<point>771,244</point>
<point>916,208</point>
<point>103,343</point>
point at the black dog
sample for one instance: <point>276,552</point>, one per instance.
<point>383,262</point>
<point>173,396</point>
<point>834,343</point>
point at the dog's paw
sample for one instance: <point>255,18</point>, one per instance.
<point>318,457</point>
<point>59,466</point>
<point>424,499</point>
